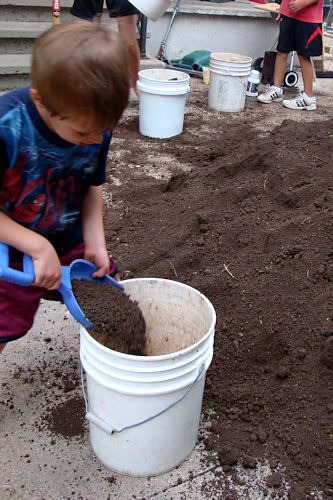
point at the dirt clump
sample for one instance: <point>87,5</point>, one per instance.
<point>118,319</point>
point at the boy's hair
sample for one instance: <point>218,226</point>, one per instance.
<point>81,69</point>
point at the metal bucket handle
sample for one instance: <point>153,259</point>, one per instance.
<point>105,426</point>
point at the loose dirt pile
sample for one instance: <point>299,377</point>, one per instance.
<point>118,319</point>
<point>244,215</point>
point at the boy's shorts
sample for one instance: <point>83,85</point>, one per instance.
<point>305,38</point>
<point>87,9</point>
<point>18,304</point>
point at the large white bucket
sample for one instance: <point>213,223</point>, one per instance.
<point>144,411</point>
<point>228,79</point>
<point>153,9</point>
<point>162,102</point>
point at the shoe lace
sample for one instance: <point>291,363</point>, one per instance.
<point>268,89</point>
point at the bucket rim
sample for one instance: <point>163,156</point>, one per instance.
<point>183,77</point>
<point>161,357</point>
<point>227,56</point>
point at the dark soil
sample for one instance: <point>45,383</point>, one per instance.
<point>118,319</point>
<point>246,218</point>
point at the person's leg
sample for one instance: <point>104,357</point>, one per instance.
<point>285,45</point>
<point>127,30</point>
<point>308,44</point>
<point>18,306</point>
<point>126,13</point>
<point>280,68</point>
<point>307,74</point>
<point>274,92</point>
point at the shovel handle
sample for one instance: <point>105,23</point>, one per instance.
<point>25,277</point>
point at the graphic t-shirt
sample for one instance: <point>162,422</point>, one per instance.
<point>311,14</point>
<point>43,178</point>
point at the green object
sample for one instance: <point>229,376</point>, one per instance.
<point>195,60</point>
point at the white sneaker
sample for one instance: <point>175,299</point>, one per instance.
<point>271,94</point>
<point>301,102</point>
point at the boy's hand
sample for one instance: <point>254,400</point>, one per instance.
<point>47,268</point>
<point>296,5</point>
<point>99,257</point>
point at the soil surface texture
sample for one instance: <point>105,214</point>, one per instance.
<point>118,319</point>
<point>239,206</point>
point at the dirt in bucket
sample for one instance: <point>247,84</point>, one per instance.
<point>119,319</point>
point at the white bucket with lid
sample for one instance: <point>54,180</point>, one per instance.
<point>153,9</point>
<point>162,102</point>
<point>144,411</point>
<point>229,75</point>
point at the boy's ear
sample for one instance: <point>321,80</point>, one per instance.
<point>35,96</point>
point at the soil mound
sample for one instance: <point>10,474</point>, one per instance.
<point>246,218</point>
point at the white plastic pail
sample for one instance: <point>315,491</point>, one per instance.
<point>229,74</point>
<point>162,102</point>
<point>153,9</point>
<point>144,411</point>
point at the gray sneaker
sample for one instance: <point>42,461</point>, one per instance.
<point>301,102</point>
<point>271,94</point>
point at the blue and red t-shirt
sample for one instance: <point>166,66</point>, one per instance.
<point>43,178</point>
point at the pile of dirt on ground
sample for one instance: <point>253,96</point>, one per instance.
<point>245,216</point>
<point>118,320</point>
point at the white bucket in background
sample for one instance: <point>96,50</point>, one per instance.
<point>144,411</point>
<point>162,102</point>
<point>228,79</point>
<point>153,9</point>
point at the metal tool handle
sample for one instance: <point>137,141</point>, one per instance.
<point>25,277</point>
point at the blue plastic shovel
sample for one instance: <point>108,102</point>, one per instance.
<point>77,270</point>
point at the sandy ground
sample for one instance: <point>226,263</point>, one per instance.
<point>40,459</point>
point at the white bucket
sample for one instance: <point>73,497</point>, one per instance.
<point>229,75</point>
<point>162,102</point>
<point>153,9</point>
<point>144,411</point>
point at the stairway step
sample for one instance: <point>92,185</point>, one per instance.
<point>12,64</point>
<point>23,29</point>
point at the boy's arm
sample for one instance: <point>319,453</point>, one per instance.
<point>93,231</point>
<point>45,259</point>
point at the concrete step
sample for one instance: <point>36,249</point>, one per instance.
<point>23,29</point>
<point>15,69</point>
<point>19,36</point>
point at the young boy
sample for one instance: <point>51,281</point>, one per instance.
<point>300,30</point>
<point>54,139</point>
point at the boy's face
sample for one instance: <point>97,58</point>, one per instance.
<point>77,130</point>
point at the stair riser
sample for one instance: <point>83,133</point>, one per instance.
<point>16,45</point>
<point>10,82</point>
<point>40,14</point>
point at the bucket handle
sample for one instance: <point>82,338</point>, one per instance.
<point>105,426</point>
<point>227,73</point>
